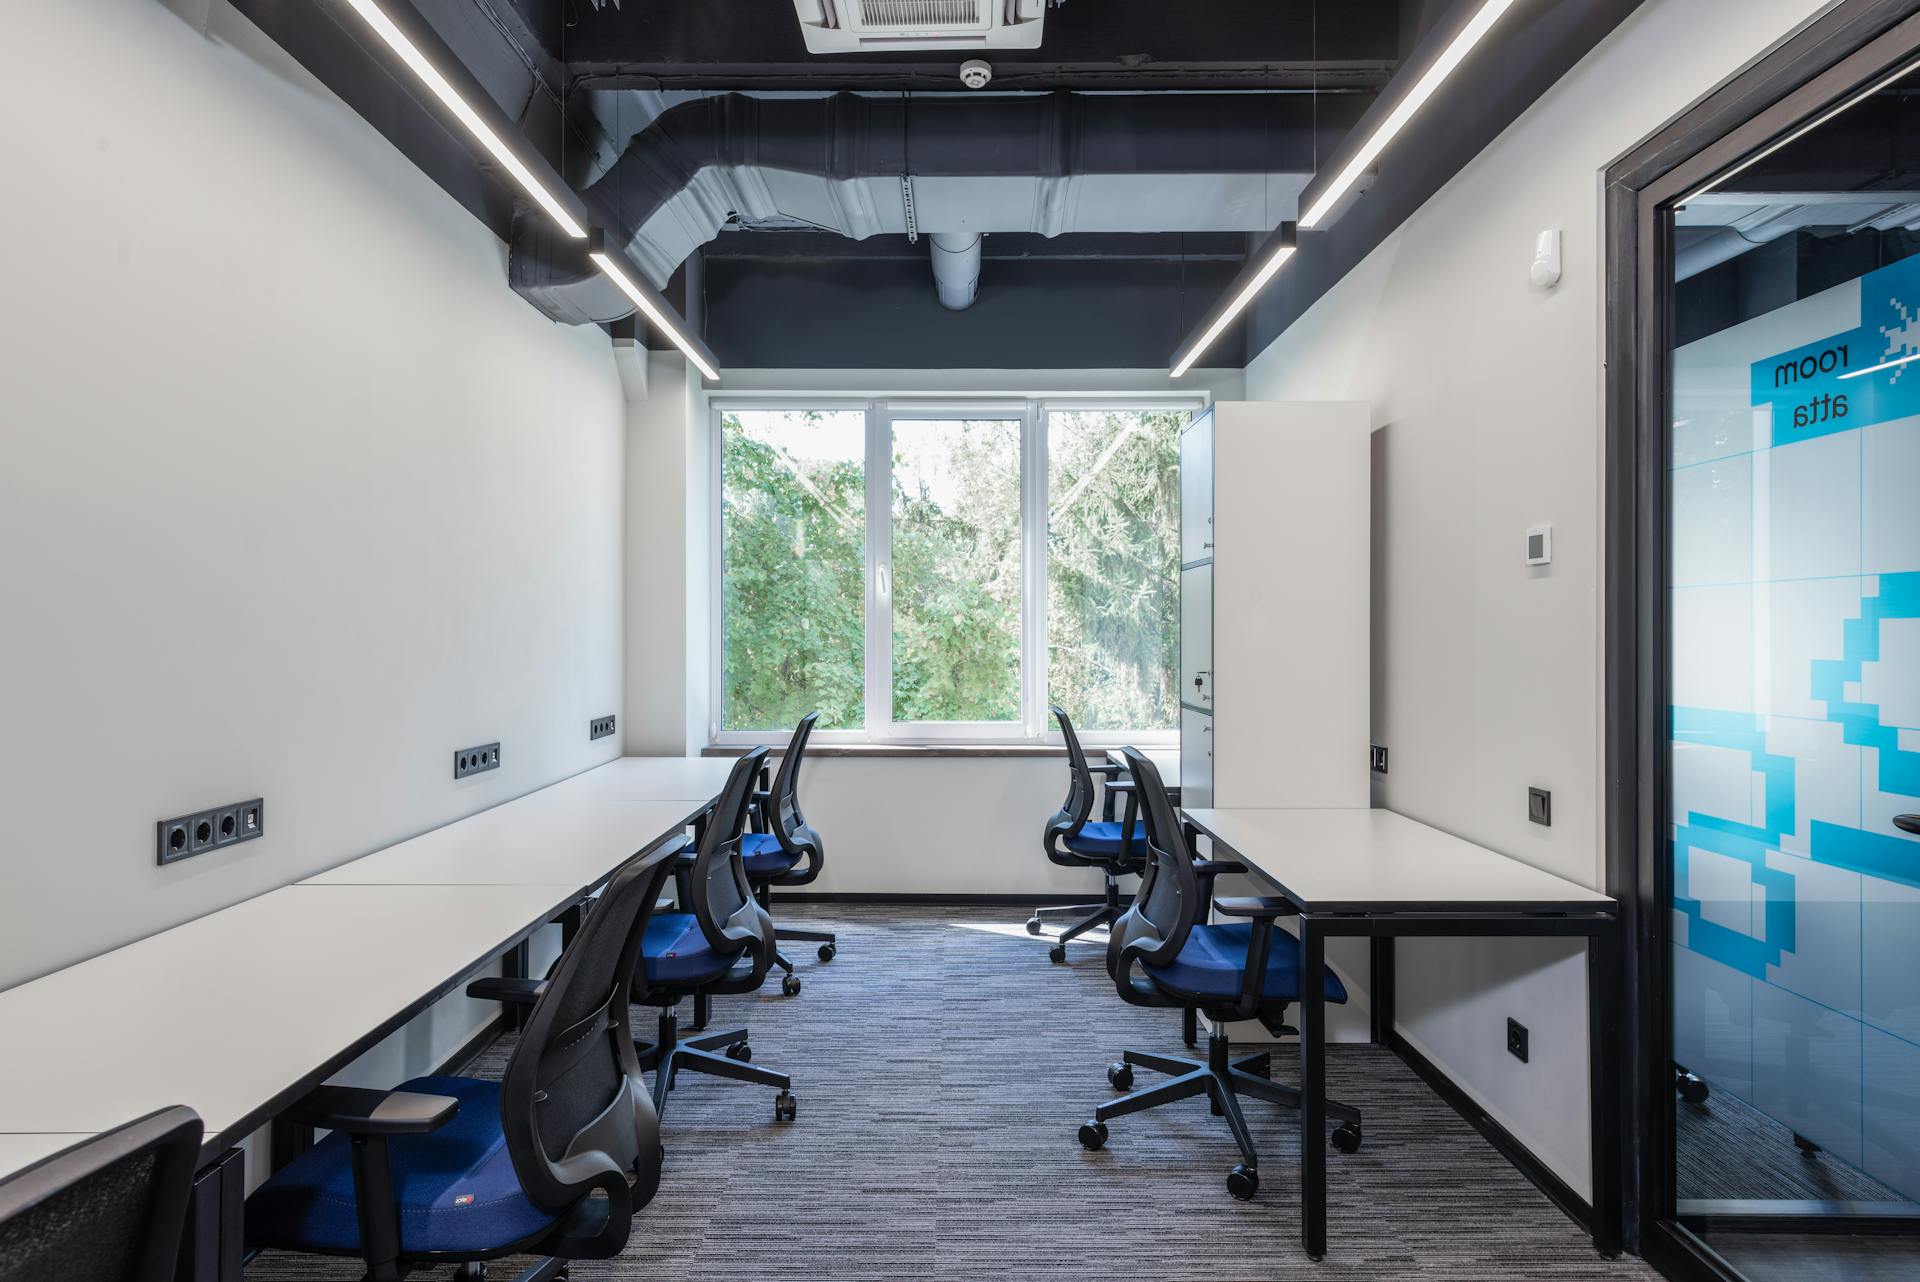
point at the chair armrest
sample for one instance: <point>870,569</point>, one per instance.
<point>1173,794</point>
<point>514,992</point>
<point>1263,906</point>
<point>359,1111</point>
<point>1110,769</point>
<point>1214,867</point>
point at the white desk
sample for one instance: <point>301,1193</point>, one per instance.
<point>1378,874</point>
<point>17,1152</point>
<point>239,1013</point>
<point>537,840</point>
<point>647,779</point>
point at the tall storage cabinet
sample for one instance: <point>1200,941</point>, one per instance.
<point>1275,532</point>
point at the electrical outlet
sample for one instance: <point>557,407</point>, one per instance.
<point>600,728</point>
<point>1377,759</point>
<point>1540,806</point>
<point>1517,1040</point>
<point>473,761</point>
<point>195,834</point>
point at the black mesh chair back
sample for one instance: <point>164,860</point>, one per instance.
<point>789,825</point>
<point>1078,807</point>
<point>110,1209</point>
<point>723,903</point>
<point>1169,902</point>
<point>573,1105</point>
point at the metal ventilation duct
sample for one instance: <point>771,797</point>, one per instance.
<point>1044,163</point>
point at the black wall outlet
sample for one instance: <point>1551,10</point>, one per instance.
<point>1517,1040</point>
<point>1540,806</point>
<point>473,761</point>
<point>1377,759</point>
<point>599,727</point>
<point>196,834</point>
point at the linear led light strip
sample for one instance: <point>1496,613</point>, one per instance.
<point>1424,88</point>
<point>1803,131</point>
<point>605,263</point>
<point>430,76</point>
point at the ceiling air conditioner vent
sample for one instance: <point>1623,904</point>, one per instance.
<point>854,26</point>
<point>882,15</point>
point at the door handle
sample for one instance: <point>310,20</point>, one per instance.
<point>1907,823</point>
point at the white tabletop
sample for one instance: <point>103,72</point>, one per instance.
<point>538,840</point>
<point>229,1013</point>
<point>1376,860</point>
<point>648,779</point>
<point>1165,760</point>
<point>17,1152</point>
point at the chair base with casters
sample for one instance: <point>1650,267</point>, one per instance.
<point>1092,917</point>
<point>715,1054</point>
<point>1223,1078</point>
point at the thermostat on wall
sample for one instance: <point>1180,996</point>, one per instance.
<point>1540,545</point>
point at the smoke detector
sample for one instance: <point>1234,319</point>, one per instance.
<point>975,73</point>
<point>850,26</point>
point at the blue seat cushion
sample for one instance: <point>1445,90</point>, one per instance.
<point>676,951</point>
<point>456,1187</point>
<point>1214,959</point>
<point>1101,840</point>
<point>762,857</point>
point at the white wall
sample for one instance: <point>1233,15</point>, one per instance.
<point>1487,400</point>
<point>296,497</point>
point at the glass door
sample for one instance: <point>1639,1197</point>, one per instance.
<point>1793,629</point>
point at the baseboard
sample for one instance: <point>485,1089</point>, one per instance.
<point>958,901</point>
<point>1578,1209</point>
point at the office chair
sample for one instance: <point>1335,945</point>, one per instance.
<point>724,945</point>
<point>1117,849</point>
<point>773,854</point>
<point>1242,970</point>
<point>454,1170</point>
<point>109,1209</point>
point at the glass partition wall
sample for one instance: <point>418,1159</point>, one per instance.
<point>1792,744</point>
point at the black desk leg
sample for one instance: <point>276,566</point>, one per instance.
<point>1380,995</point>
<point>213,1242</point>
<point>514,966</point>
<point>1603,1083</point>
<point>570,920</point>
<point>1313,1088</point>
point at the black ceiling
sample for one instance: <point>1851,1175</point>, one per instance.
<point>1328,45</point>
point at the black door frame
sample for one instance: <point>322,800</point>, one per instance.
<point>1838,52</point>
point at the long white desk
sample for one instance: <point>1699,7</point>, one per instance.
<point>1378,874</point>
<point>1165,760</point>
<point>647,779</point>
<point>539,839</point>
<point>238,1013</point>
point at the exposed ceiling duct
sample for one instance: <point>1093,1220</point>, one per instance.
<point>1046,164</point>
<point>956,268</point>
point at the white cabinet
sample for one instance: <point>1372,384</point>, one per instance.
<point>1275,603</point>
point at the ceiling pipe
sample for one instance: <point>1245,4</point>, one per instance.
<point>956,268</point>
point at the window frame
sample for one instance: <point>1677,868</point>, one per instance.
<point>1034,727</point>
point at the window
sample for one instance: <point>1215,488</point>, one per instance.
<point>927,572</point>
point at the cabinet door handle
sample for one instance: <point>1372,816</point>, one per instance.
<point>1207,544</point>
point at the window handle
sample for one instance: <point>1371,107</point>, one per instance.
<point>883,582</point>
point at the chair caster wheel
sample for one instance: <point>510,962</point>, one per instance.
<point>1033,926</point>
<point>827,951</point>
<point>784,1107</point>
<point>1243,1182</point>
<point>740,1051</point>
<point>790,985</point>
<point>1093,1136</point>
<point>1346,1137</point>
<point>1120,1076</point>
<point>1057,954</point>
<point>472,1271</point>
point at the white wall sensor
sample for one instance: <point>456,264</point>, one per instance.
<point>1540,545</point>
<point>975,73</point>
<point>1545,273</point>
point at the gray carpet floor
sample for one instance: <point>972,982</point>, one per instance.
<point>1729,1149</point>
<point>942,1067</point>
